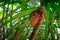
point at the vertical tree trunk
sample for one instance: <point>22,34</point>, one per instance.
<point>36,28</point>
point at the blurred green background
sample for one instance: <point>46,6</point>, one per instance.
<point>15,19</point>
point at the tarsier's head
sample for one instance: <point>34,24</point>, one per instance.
<point>37,16</point>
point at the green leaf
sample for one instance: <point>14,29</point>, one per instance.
<point>22,14</point>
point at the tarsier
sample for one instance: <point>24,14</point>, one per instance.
<point>36,20</point>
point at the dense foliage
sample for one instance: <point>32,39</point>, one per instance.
<point>15,19</point>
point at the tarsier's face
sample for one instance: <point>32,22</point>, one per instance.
<point>36,16</point>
